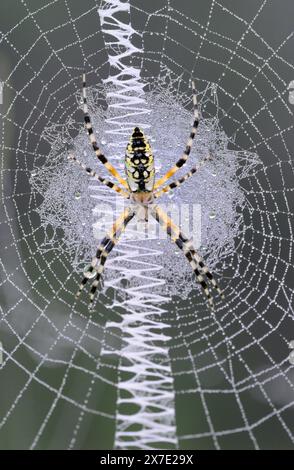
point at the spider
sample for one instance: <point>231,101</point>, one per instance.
<point>142,190</point>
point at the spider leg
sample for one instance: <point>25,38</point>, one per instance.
<point>105,247</point>
<point>204,268</point>
<point>104,181</point>
<point>177,183</point>
<point>93,141</point>
<point>117,230</point>
<point>195,260</point>
<point>176,237</point>
<point>88,274</point>
<point>187,150</point>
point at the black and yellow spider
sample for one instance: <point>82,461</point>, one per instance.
<point>142,190</point>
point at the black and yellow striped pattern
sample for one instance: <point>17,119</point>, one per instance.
<point>93,141</point>
<point>177,183</point>
<point>105,247</point>
<point>102,180</point>
<point>187,150</point>
<point>196,262</point>
<point>139,163</point>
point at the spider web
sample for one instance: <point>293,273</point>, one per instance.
<point>150,366</point>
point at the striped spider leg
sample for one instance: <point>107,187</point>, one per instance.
<point>195,260</point>
<point>177,183</point>
<point>204,268</point>
<point>93,141</point>
<point>105,247</point>
<point>187,150</point>
<point>102,180</point>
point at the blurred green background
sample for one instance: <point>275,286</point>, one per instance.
<point>52,348</point>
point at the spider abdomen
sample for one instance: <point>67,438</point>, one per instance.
<point>139,163</point>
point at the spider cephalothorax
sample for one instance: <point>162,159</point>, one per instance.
<point>141,189</point>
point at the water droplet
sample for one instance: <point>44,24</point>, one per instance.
<point>33,173</point>
<point>77,195</point>
<point>103,142</point>
<point>92,274</point>
<point>291,344</point>
<point>291,358</point>
<point>212,215</point>
<point>213,174</point>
